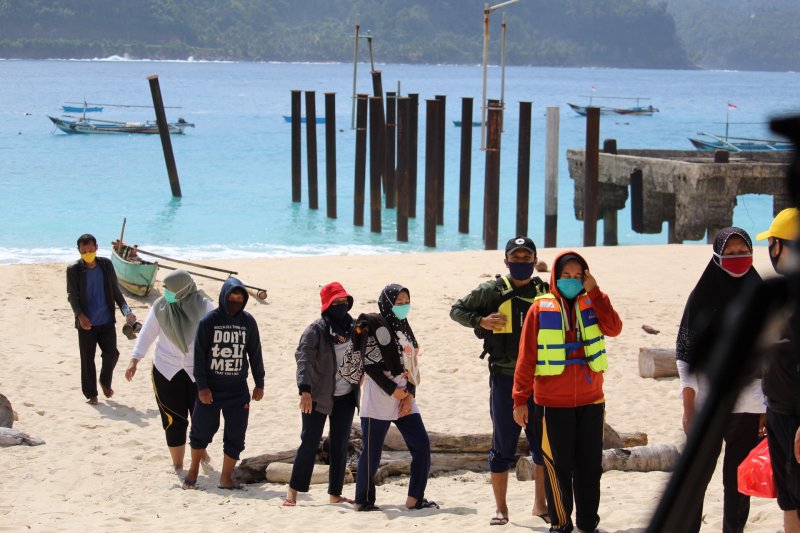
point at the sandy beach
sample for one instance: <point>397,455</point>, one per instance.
<point>106,467</point>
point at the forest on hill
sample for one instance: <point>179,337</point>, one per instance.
<point>610,33</point>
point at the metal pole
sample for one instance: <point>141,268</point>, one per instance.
<point>361,160</point>
<point>330,152</point>
<point>163,132</point>
<point>551,179</point>
<point>466,165</point>
<point>355,70</point>
<point>311,149</point>
<point>431,168</point>
<point>492,179</point>
<point>441,145</point>
<point>523,167</point>
<point>485,64</point>
<point>376,150</point>
<point>371,60</point>
<point>390,135</point>
<point>297,156</point>
<point>412,169</point>
<point>503,69</point>
<point>590,185</point>
<point>403,153</point>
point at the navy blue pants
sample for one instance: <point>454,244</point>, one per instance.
<point>505,431</point>
<point>373,433</point>
<point>235,408</point>
<point>104,336</point>
<point>339,438</point>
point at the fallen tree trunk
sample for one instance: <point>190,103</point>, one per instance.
<point>15,437</point>
<point>657,363</point>
<point>653,458</point>
<point>399,464</point>
<point>254,469</point>
<point>282,473</point>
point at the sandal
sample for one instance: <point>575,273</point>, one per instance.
<point>367,507</point>
<point>425,504</point>
<point>498,520</point>
<point>189,484</point>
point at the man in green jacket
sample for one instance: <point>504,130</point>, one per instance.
<point>496,310</point>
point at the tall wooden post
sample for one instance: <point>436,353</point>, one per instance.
<point>361,160</point>
<point>412,174</point>
<point>441,157</point>
<point>431,169</point>
<point>492,177</point>
<point>377,89</point>
<point>610,215</point>
<point>296,148</point>
<point>311,149</point>
<point>551,179</point>
<point>163,132</point>
<point>389,135</point>
<point>523,167</point>
<point>330,152</point>
<point>375,149</point>
<point>591,177</point>
<point>466,165</point>
<point>403,156</point>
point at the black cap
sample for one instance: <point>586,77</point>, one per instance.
<point>520,242</point>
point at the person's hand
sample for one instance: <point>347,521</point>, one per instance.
<point>688,418</point>
<point>399,393</point>
<point>131,370</point>
<point>762,425</point>
<point>797,445</point>
<point>521,415</point>
<point>258,393</point>
<point>306,405</point>
<point>130,318</point>
<point>494,322</point>
<point>405,406</point>
<point>204,395</point>
<point>589,282</point>
<point>84,321</point>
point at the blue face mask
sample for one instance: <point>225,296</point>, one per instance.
<point>169,296</point>
<point>569,287</point>
<point>401,311</point>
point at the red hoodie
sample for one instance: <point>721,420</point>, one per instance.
<point>578,384</point>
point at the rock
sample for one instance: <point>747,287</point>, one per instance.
<point>650,329</point>
<point>15,437</point>
<point>541,266</point>
<point>7,415</point>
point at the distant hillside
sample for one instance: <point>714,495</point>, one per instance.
<point>618,33</point>
<point>739,34</point>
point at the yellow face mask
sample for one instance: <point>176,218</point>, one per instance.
<point>88,257</point>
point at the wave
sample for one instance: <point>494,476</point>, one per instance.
<point>23,256</point>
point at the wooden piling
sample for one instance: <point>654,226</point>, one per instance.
<point>523,167</point>
<point>311,149</point>
<point>361,160</point>
<point>414,156</point>
<point>492,178</point>
<point>390,137</point>
<point>403,164</point>
<point>377,84</point>
<point>375,149</point>
<point>441,144</point>
<point>609,146</point>
<point>330,153</point>
<point>296,148</point>
<point>431,169</point>
<point>377,89</point>
<point>637,201</point>
<point>610,215</point>
<point>163,132</point>
<point>591,177</point>
<point>551,179</point>
<point>466,165</point>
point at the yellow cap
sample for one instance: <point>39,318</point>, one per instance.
<point>786,225</point>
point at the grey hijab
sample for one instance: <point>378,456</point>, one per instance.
<point>179,320</point>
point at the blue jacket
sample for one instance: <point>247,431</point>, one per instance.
<point>224,344</point>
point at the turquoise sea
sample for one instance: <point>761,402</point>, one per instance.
<point>235,167</point>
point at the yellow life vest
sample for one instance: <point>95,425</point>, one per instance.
<point>551,340</point>
<point>506,309</point>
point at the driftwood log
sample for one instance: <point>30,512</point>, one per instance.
<point>398,463</point>
<point>254,469</point>
<point>658,457</point>
<point>6,413</point>
<point>282,473</point>
<point>15,437</point>
<point>657,363</point>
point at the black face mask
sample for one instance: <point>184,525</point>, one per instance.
<point>775,258</point>
<point>520,271</point>
<point>234,307</point>
<point>338,312</point>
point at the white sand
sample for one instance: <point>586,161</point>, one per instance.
<point>106,468</point>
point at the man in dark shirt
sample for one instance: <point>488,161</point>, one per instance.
<point>92,291</point>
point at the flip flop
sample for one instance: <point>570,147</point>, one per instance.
<point>189,484</point>
<point>498,520</point>
<point>545,517</point>
<point>288,503</point>
<point>425,504</point>
<point>235,486</point>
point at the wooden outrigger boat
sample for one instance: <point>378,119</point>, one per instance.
<point>96,125</point>
<point>639,110</point>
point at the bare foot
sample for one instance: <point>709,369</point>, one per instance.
<point>92,400</point>
<point>107,391</point>
<point>341,499</point>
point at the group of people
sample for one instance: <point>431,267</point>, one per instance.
<point>546,354</point>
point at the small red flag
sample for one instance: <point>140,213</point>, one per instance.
<point>731,106</point>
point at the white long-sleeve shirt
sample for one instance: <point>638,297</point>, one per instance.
<point>167,358</point>
<point>751,399</point>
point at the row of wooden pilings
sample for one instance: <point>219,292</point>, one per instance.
<point>393,142</point>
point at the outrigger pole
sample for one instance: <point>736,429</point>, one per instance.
<point>368,37</point>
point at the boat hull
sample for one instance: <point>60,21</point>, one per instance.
<point>318,120</point>
<point>94,128</point>
<point>752,146</point>
<point>635,111</point>
<point>136,278</point>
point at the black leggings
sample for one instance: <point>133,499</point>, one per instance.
<point>175,399</point>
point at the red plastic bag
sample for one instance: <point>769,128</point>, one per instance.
<point>755,473</point>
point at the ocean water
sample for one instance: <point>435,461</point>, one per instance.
<point>235,166</point>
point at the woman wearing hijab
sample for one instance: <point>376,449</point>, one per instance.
<point>562,357</point>
<point>172,324</point>
<point>389,397</point>
<point>324,393</point>
<point>727,275</point>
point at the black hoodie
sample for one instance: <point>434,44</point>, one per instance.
<point>222,342</point>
